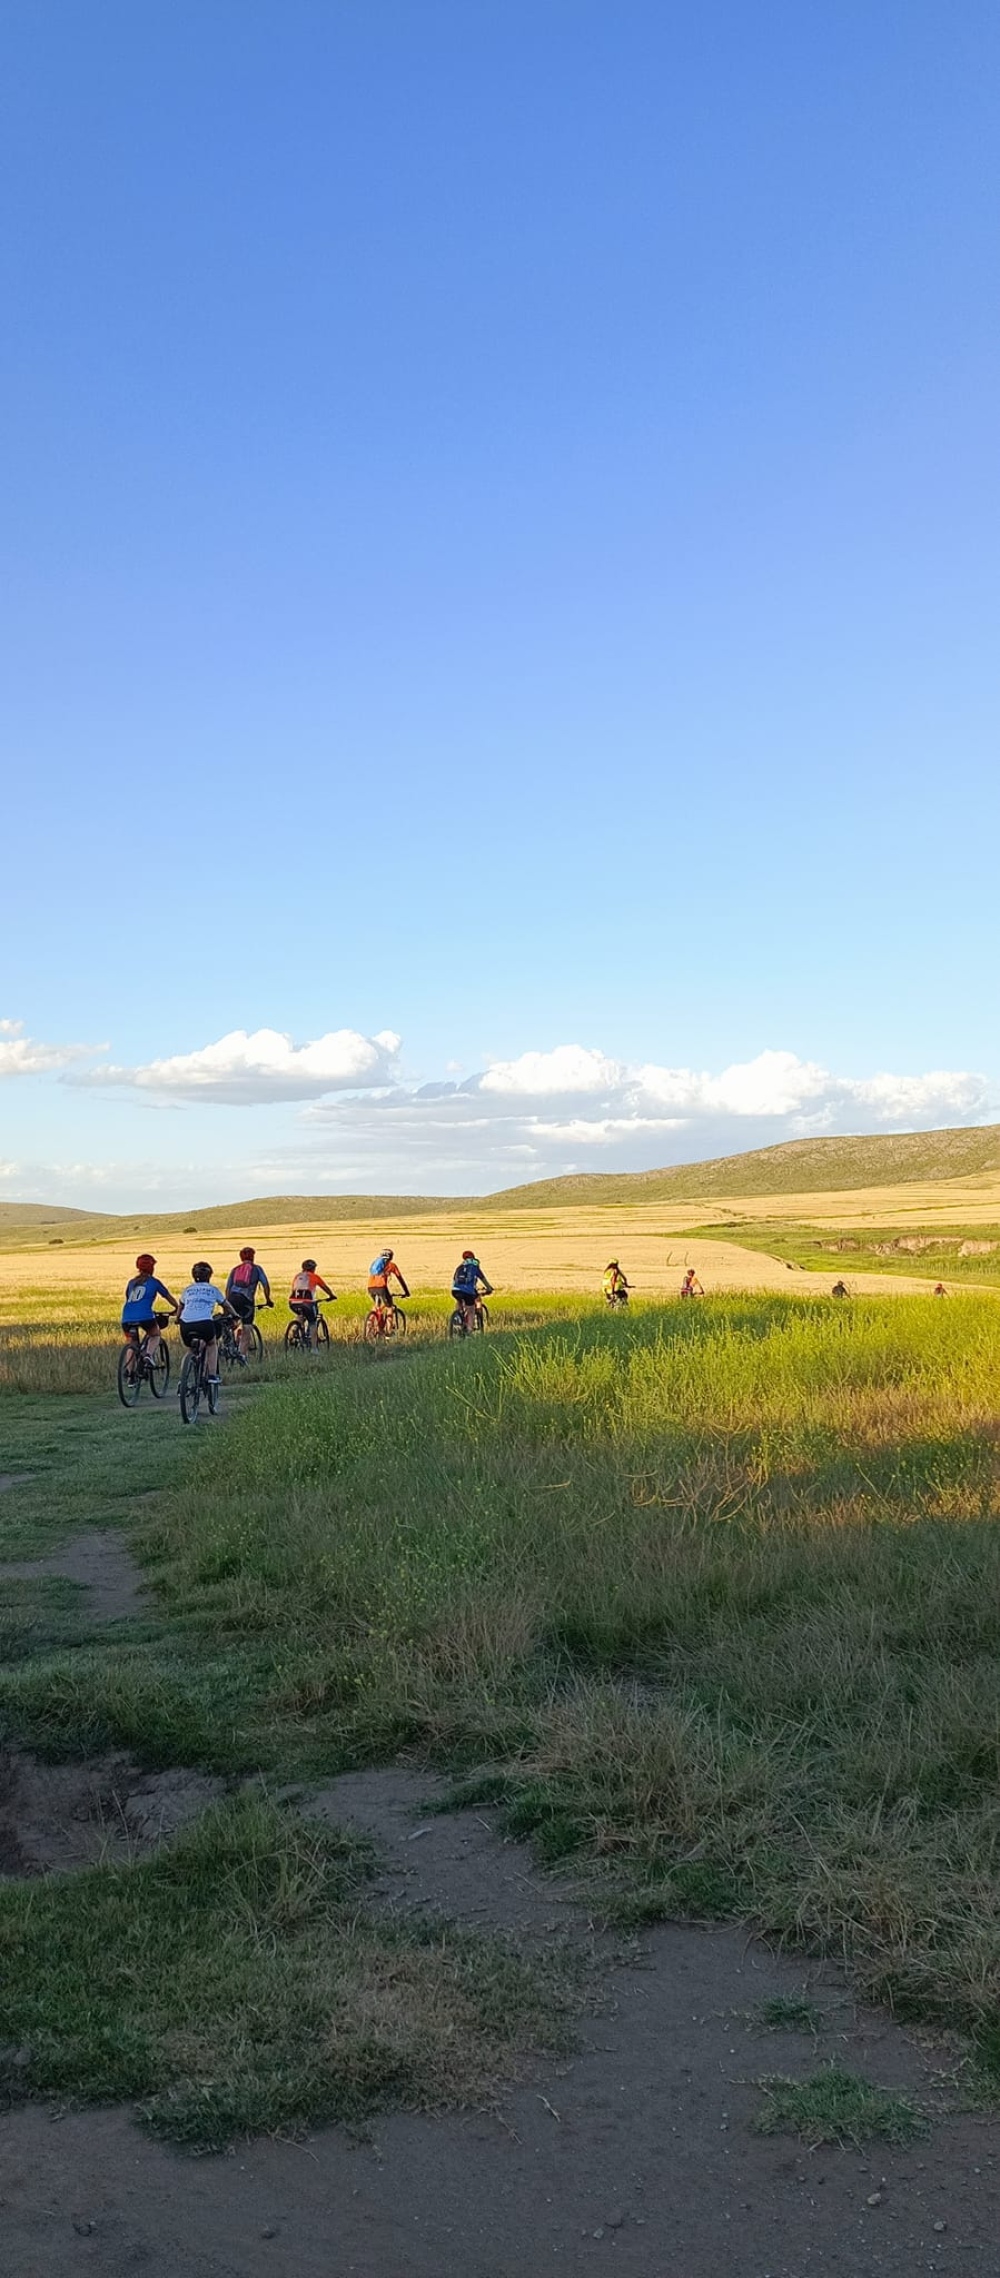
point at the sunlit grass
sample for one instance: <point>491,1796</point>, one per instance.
<point>708,1598</point>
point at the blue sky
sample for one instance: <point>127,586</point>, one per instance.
<point>500,552</point>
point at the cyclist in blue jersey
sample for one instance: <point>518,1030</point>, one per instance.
<point>466,1281</point>
<point>138,1311</point>
<point>381,1272</point>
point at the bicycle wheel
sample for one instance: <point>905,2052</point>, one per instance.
<point>229,1355</point>
<point>129,1379</point>
<point>211,1392</point>
<point>400,1329</point>
<point>295,1339</point>
<point>373,1328</point>
<point>256,1342</point>
<point>456,1325</point>
<point>323,1333</point>
<point>159,1371</point>
<point>190,1387</point>
<point>481,1319</point>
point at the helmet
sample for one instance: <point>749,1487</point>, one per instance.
<point>308,1265</point>
<point>201,1272</point>
<point>387,1253</point>
<point>613,1267</point>
<point>145,1263</point>
<point>248,1252</point>
<point>468,1253</point>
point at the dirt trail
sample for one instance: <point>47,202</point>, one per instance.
<point>634,2156</point>
<point>55,1818</point>
<point>101,1561</point>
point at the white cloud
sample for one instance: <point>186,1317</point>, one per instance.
<point>571,1068</point>
<point>244,1069</point>
<point>22,1055</point>
<point>549,1112</point>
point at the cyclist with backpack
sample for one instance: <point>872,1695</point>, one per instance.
<point>382,1270</point>
<point>241,1290</point>
<point>614,1284</point>
<point>465,1282</point>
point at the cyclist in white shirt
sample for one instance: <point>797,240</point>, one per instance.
<point>198,1324</point>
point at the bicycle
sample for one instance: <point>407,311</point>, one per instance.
<point>195,1386</point>
<point>614,1298</point>
<point>297,1339</point>
<point>143,1370</point>
<point>469,1319</point>
<point>386,1319</point>
<point>229,1351</point>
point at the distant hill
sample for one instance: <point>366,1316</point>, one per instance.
<point>797,1166</point>
<point>41,1214</point>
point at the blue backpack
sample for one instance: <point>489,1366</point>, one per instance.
<point>377,1266</point>
<point>466,1274</point>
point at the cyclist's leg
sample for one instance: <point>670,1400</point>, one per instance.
<point>132,1340</point>
<point>314,1328</point>
<point>210,1348</point>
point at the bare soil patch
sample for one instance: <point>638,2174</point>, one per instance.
<point>55,1818</point>
<point>101,1562</point>
<point>636,2155</point>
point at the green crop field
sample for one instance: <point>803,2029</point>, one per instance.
<point>707,1599</point>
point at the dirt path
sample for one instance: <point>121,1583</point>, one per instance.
<point>100,1562</point>
<point>636,2155</point>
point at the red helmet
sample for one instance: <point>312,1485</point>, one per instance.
<point>468,1253</point>
<point>248,1252</point>
<point>144,1263</point>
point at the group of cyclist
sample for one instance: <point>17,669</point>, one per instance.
<point>202,1308</point>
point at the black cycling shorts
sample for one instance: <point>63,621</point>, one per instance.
<point>199,1332</point>
<point>306,1308</point>
<point>242,1304</point>
<point>134,1329</point>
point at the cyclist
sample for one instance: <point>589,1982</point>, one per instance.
<point>839,1289</point>
<point>197,1316</point>
<point>241,1289</point>
<point>381,1271</point>
<point>137,1311</point>
<point>939,1289</point>
<point>465,1284</point>
<point>691,1286</point>
<point>303,1299</point>
<point>614,1284</point>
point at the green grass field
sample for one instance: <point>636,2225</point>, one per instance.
<point>708,1599</point>
<point>957,1255</point>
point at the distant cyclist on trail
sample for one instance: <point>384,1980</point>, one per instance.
<point>137,1311</point>
<point>691,1286</point>
<point>839,1289</point>
<point>614,1284</point>
<point>382,1270</point>
<point>465,1282</point>
<point>304,1301</point>
<point>241,1290</point>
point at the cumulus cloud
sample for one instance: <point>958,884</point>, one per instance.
<point>255,1069</point>
<point>575,1108</point>
<point>22,1055</point>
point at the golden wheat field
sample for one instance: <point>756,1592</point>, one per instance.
<point>545,1248</point>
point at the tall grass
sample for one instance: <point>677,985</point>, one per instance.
<point>709,1597</point>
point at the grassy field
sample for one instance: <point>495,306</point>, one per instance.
<point>966,1255</point>
<point>708,1599</point>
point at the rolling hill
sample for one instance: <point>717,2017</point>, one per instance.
<point>797,1166</point>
